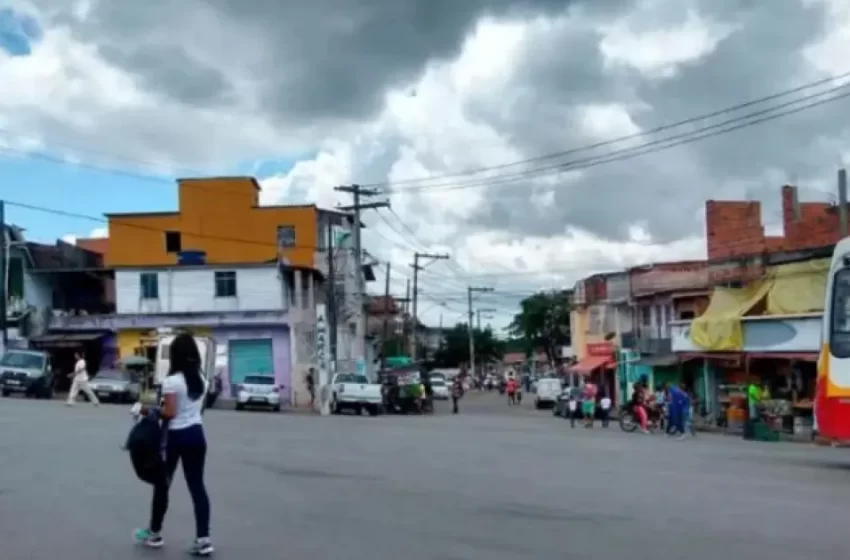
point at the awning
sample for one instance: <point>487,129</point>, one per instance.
<point>591,364</point>
<point>660,360</point>
<point>64,340</point>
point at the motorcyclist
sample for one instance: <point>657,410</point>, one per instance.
<point>638,404</point>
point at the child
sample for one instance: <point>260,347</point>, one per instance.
<point>572,409</point>
<point>605,405</point>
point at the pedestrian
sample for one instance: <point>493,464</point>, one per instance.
<point>605,406</point>
<point>519,394</point>
<point>588,405</point>
<point>457,393</point>
<point>572,409</point>
<point>80,381</point>
<point>511,389</point>
<point>311,385</point>
<point>679,403</point>
<point>183,392</point>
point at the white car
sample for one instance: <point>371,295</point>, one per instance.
<point>258,390</point>
<point>440,389</point>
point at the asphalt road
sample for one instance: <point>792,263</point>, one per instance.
<point>482,484</point>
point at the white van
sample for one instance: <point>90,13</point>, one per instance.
<point>206,347</point>
<point>547,392</point>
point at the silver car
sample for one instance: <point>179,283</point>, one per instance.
<point>115,385</point>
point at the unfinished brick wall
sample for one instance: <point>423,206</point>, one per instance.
<point>734,229</point>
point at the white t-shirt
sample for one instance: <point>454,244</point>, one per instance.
<point>573,405</point>
<point>188,411</point>
<point>606,403</point>
<point>80,373</point>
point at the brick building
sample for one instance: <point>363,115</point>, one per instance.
<point>734,229</point>
<point>735,236</point>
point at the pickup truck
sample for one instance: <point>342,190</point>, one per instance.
<point>350,391</point>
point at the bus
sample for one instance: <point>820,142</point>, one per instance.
<point>832,398</point>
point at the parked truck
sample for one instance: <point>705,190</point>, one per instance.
<point>351,391</point>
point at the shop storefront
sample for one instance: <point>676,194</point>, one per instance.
<point>97,347</point>
<point>599,366</point>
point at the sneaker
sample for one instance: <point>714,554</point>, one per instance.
<point>681,437</point>
<point>201,547</point>
<point>148,538</point>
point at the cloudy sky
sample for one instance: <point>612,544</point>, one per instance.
<point>103,102</point>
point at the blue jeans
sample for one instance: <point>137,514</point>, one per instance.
<point>188,446</point>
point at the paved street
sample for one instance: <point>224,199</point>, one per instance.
<point>483,484</point>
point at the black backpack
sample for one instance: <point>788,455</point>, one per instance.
<point>145,444</point>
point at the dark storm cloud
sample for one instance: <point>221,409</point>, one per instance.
<point>323,59</point>
<point>665,192</point>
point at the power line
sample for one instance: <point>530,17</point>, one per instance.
<point>662,128</point>
<point>658,145</point>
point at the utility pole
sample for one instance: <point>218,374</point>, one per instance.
<point>469,291</point>
<point>405,323</point>
<point>332,303</point>
<point>4,274</point>
<point>842,201</point>
<point>416,268</point>
<point>357,192</point>
<point>479,312</point>
<point>386,309</point>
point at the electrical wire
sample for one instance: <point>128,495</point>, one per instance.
<point>625,138</point>
<point>659,145</point>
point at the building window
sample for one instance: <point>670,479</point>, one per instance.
<point>173,243</point>
<point>225,284</point>
<point>149,285</point>
<point>686,315</point>
<point>286,237</point>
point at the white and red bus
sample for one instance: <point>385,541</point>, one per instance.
<point>832,400</point>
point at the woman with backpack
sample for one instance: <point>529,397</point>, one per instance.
<point>183,392</point>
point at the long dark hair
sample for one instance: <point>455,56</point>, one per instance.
<point>186,359</point>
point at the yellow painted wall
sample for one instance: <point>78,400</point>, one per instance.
<point>130,339</point>
<point>219,216</point>
<point>578,331</point>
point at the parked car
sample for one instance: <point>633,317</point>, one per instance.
<point>258,390</point>
<point>547,392</point>
<point>114,385</point>
<point>27,372</point>
<point>439,389</point>
<point>354,392</point>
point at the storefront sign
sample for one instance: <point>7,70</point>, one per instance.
<point>601,349</point>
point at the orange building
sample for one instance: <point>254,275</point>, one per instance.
<point>222,217</point>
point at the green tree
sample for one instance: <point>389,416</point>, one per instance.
<point>455,348</point>
<point>543,322</point>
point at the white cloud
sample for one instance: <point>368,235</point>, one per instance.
<point>516,89</point>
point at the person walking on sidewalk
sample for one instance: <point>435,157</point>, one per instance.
<point>80,382</point>
<point>183,392</point>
